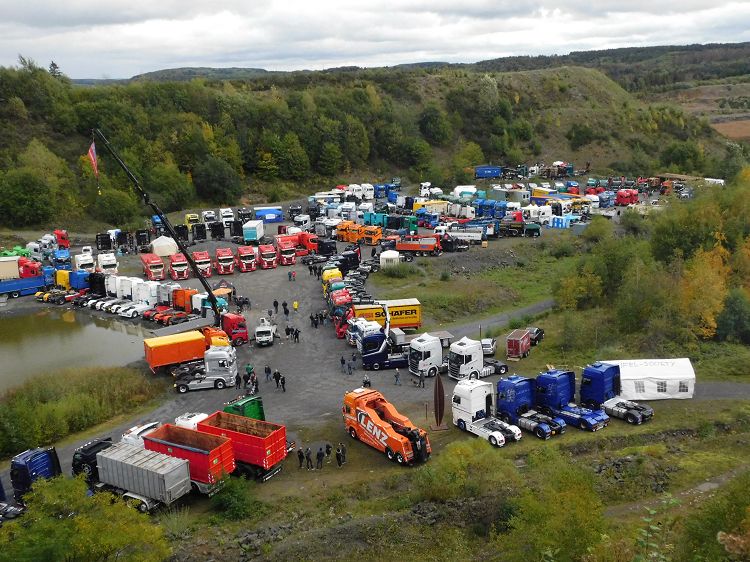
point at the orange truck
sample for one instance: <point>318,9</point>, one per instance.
<point>370,418</point>
<point>164,351</point>
<point>372,235</point>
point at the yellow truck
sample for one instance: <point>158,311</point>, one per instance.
<point>191,219</point>
<point>404,313</point>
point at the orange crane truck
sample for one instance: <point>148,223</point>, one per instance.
<point>370,418</point>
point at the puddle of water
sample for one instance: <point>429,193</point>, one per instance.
<point>54,339</point>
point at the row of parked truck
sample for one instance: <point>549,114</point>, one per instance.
<point>155,465</point>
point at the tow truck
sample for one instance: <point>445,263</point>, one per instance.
<point>370,418</point>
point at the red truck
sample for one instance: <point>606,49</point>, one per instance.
<point>178,267</point>
<point>246,258</point>
<point>224,263</point>
<point>518,344</point>
<point>626,197</point>
<point>268,257</point>
<point>309,242</point>
<point>203,262</point>
<point>211,457</point>
<point>153,267</point>
<point>63,241</point>
<point>259,446</point>
<point>287,252</point>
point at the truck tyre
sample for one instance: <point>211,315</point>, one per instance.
<point>389,454</point>
<point>399,458</point>
<point>376,366</point>
<point>409,258</point>
<point>87,469</point>
<point>474,375</point>
<point>15,294</point>
<point>493,441</point>
<point>221,385</point>
<point>236,342</point>
<point>182,388</point>
<point>353,433</point>
<point>503,369</point>
<point>432,372</point>
<point>539,432</point>
<point>461,425</point>
<point>142,507</point>
<point>631,419</point>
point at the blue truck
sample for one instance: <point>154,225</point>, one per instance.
<point>600,388</point>
<point>61,259</point>
<point>379,352</point>
<point>554,395</point>
<point>484,172</point>
<point>515,405</point>
<point>15,288</point>
<point>30,466</point>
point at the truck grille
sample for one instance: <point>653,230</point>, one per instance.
<point>453,369</point>
<point>413,365</point>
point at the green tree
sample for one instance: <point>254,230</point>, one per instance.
<point>356,143</point>
<point>293,160</point>
<point>27,198</point>
<point>62,523</point>
<point>330,159</point>
<point>216,181</point>
<point>172,189</point>
<point>733,324</point>
<point>115,207</point>
<point>435,126</point>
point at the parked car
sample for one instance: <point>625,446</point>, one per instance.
<point>489,346</point>
<point>537,335</point>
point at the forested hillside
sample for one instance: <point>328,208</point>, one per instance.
<point>271,137</point>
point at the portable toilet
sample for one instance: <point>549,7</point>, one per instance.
<point>389,258</point>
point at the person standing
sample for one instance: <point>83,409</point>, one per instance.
<point>343,452</point>
<point>286,314</point>
<point>237,381</point>
<point>296,335</point>
<point>282,381</point>
<point>300,456</point>
<point>294,276</point>
<point>319,459</point>
<point>343,364</point>
<point>354,359</point>
<point>253,383</point>
<point>270,313</point>
<point>276,305</point>
<point>277,377</point>
<point>246,379</point>
<point>310,269</point>
<point>312,320</point>
<point>315,323</point>
<point>328,453</point>
<point>287,331</point>
<point>308,458</point>
<point>295,306</point>
<point>339,459</point>
<point>289,276</point>
<point>421,379</point>
<point>349,367</point>
<point>284,304</point>
<point>397,378</point>
<point>268,373</point>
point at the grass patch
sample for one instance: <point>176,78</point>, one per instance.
<point>236,501</point>
<point>50,407</point>
<point>400,271</point>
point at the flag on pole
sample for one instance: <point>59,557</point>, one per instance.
<point>92,157</point>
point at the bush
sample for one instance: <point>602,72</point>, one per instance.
<point>445,276</point>
<point>400,271</point>
<point>27,198</point>
<point>235,500</point>
<point>50,407</point>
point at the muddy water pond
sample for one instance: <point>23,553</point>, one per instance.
<point>52,339</point>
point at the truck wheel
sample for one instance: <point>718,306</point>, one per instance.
<point>503,369</point>
<point>182,389</point>
<point>493,441</point>
<point>376,366</point>
<point>143,507</point>
<point>389,454</point>
<point>221,385</point>
<point>353,433</point>
<point>474,375</point>
<point>409,258</point>
<point>236,342</point>
<point>15,294</point>
<point>631,419</point>
<point>461,425</point>
<point>60,300</point>
<point>432,372</point>
<point>399,458</point>
<point>87,470</point>
<point>539,432</point>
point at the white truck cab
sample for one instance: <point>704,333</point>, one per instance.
<point>425,355</point>
<point>466,360</point>
<point>227,216</point>
<point>473,405</point>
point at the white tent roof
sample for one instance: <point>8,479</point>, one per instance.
<point>164,246</point>
<point>655,379</point>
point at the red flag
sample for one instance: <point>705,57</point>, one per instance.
<point>92,157</point>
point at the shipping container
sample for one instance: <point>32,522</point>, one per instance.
<point>175,349</point>
<point>150,474</point>
<point>9,268</point>
<point>518,344</point>
<point>260,445</point>
<point>211,457</point>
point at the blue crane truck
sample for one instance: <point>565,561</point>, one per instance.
<point>554,394</point>
<point>515,405</point>
<point>30,466</point>
<point>600,389</point>
<point>15,288</point>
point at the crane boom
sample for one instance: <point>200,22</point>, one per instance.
<point>167,225</point>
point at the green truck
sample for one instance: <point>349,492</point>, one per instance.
<point>247,406</point>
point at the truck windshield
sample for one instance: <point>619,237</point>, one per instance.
<point>225,260</point>
<point>156,268</point>
<point>107,266</point>
<point>247,259</point>
<point>203,263</point>
<point>288,252</point>
<point>456,358</point>
<point>415,354</point>
<point>268,255</point>
<point>179,266</point>
<point>264,333</point>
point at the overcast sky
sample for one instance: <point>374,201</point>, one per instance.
<point>121,38</point>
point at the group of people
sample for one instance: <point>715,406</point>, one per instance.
<point>306,456</point>
<point>316,270</point>
<point>292,275</point>
<point>349,366</point>
<point>250,379</point>
<point>284,307</point>
<point>292,332</point>
<point>318,319</point>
